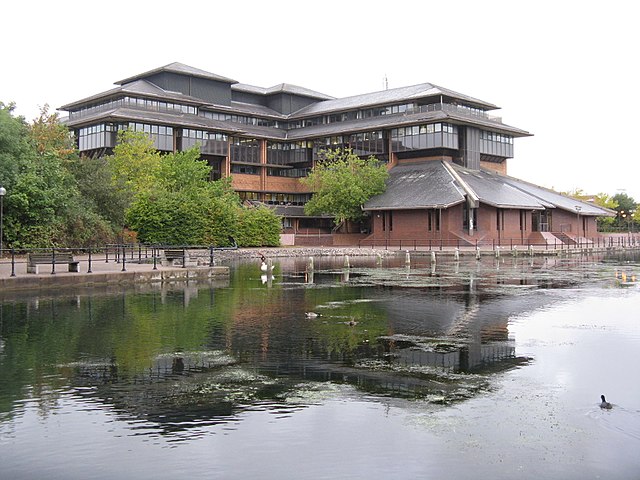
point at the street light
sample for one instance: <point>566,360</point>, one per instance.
<point>578,208</point>
<point>3,192</point>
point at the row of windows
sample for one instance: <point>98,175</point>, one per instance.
<point>421,137</point>
<point>286,198</point>
<point>134,102</point>
<point>289,146</point>
<point>496,137</point>
<point>245,169</point>
<point>354,115</point>
<point>247,150</point>
<point>155,105</point>
<point>104,135</point>
<point>102,127</point>
<point>148,128</point>
<point>423,129</point>
<point>97,136</point>
<point>288,172</point>
<point>276,198</point>
<point>161,135</point>
<point>243,119</point>
<point>202,135</point>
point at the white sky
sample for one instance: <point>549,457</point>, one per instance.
<point>566,71</point>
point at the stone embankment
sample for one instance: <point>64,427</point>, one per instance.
<point>275,252</point>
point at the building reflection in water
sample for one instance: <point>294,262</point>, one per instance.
<point>182,354</point>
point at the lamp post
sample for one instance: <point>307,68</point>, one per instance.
<point>3,192</point>
<point>578,208</point>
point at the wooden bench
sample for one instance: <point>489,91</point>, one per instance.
<point>44,258</point>
<point>177,256</point>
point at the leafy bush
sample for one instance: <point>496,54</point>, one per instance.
<point>258,227</point>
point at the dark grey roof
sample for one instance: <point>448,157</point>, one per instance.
<point>556,199</point>
<point>178,120</point>
<point>251,108</point>
<point>180,68</point>
<point>281,88</point>
<point>384,97</point>
<point>138,87</point>
<point>417,186</point>
<point>493,190</point>
<point>386,121</point>
<point>365,124</point>
<point>430,185</point>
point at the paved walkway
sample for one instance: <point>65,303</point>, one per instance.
<point>98,265</point>
<point>14,276</point>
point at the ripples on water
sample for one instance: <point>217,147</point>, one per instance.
<point>398,359</point>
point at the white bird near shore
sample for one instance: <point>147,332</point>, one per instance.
<point>311,314</point>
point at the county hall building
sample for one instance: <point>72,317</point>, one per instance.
<point>446,153</point>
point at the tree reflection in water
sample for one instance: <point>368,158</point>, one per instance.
<point>187,356</point>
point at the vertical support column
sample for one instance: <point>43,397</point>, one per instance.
<point>471,151</point>
<point>263,165</point>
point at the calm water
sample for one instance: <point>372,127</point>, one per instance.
<point>488,369</point>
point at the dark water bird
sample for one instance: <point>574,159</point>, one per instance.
<point>604,403</point>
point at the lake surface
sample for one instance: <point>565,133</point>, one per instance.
<point>470,369</point>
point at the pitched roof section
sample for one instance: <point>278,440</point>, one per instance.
<point>180,68</point>
<point>281,88</point>
<point>384,97</point>
<point>493,190</point>
<point>430,185</point>
<point>418,186</point>
<point>397,120</point>
<point>138,87</point>
<point>557,199</point>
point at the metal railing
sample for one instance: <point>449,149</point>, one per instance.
<point>627,241</point>
<point>121,254</point>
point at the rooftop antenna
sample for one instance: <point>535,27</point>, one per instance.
<point>386,82</point>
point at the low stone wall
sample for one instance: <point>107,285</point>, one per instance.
<point>273,252</point>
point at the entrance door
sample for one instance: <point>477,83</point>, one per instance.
<point>541,221</point>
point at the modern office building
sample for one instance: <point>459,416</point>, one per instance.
<point>447,155</point>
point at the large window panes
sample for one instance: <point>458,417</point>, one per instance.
<point>294,157</point>
<point>245,150</point>
<point>420,137</point>
<point>102,135</point>
<point>496,144</point>
<point>211,143</point>
<point>133,102</point>
<point>368,143</point>
<point>161,135</point>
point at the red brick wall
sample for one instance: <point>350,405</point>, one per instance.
<point>242,181</point>
<point>496,167</point>
<point>285,184</point>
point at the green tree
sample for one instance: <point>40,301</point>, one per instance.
<point>99,189</point>
<point>606,201</point>
<point>44,206</point>
<point>172,200</point>
<point>342,182</point>
<point>50,136</point>
<point>627,209</point>
<point>258,226</point>
<point>135,163</point>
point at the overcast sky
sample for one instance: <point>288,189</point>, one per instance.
<point>565,71</point>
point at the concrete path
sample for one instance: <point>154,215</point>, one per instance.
<point>14,276</point>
